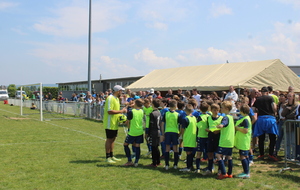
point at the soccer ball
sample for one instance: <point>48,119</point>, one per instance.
<point>122,118</point>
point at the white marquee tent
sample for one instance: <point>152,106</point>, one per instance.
<point>217,77</point>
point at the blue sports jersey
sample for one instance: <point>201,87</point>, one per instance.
<point>163,111</point>
<point>251,113</point>
<point>222,114</point>
<point>182,115</point>
<point>196,113</point>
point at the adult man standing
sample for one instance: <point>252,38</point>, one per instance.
<point>151,93</point>
<point>266,122</point>
<point>110,122</point>
<point>291,89</point>
<point>197,97</point>
<point>179,94</point>
<point>169,94</point>
<point>231,94</point>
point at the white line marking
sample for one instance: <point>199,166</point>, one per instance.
<point>7,144</point>
<point>88,134</point>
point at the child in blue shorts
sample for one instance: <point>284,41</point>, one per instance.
<point>213,136</point>
<point>226,142</point>
<point>170,132</point>
<point>242,139</point>
<point>180,106</point>
<point>189,132</point>
<point>135,134</point>
<point>202,134</point>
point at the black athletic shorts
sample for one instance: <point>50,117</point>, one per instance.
<point>110,134</point>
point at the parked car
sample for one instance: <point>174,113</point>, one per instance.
<point>18,94</point>
<point>3,95</point>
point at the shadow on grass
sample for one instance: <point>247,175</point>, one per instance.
<point>287,176</point>
<point>84,161</point>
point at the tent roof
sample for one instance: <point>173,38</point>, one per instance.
<point>254,74</point>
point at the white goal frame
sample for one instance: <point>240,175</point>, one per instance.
<point>41,98</point>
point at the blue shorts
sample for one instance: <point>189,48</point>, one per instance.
<point>147,131</point>
<point>213,142</point>
<point>244,152</point>
<point>224,151</point>
<point>201,144</point>
<point>265,124</point>
<point>171,138</point>
<point>134,139</point>
<point>188,149</point>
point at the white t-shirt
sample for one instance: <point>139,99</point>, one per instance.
<point>198,99</point>
<point>233,95</point>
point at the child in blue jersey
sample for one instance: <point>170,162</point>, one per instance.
<point>189,132</point>
<point>170,132</point>
<point>147,110</point>
<point>213,136</point>
<point>135,134</point>
<point>243,139</point>
<point>202,134</point>
<point>180,106</point>
<point>226,142</point>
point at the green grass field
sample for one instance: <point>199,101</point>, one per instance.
<point>69,154</point>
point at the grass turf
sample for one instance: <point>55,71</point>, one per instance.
<point>69,154</point>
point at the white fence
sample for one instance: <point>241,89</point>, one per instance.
<point>291,142</point>
<point>80,109</point>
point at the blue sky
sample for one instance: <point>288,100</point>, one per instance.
<point>46,41</point>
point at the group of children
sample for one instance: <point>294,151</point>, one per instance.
<point>211,131</point>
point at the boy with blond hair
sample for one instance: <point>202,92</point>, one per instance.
<point>226,142</point>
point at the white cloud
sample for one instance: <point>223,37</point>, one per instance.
<point>68,59</point>
<point>4,5</point>
<point>61,52</point>
<point>18,31</point>
<point>209,56</point>
<point>259,48</point>
<point>285,42</point>
<point>159,14</point>
<point>219,10</point>
<point>295,3</point>
<point>72,21</point>
<point>149,57</point>
<point>113,68</point>
<point>157,25</point>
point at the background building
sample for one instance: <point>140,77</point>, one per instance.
<point>296,69</point>
<point>100,85</point>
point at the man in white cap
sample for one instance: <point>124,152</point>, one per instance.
<point>151,93</point>
<point>110,121</point>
